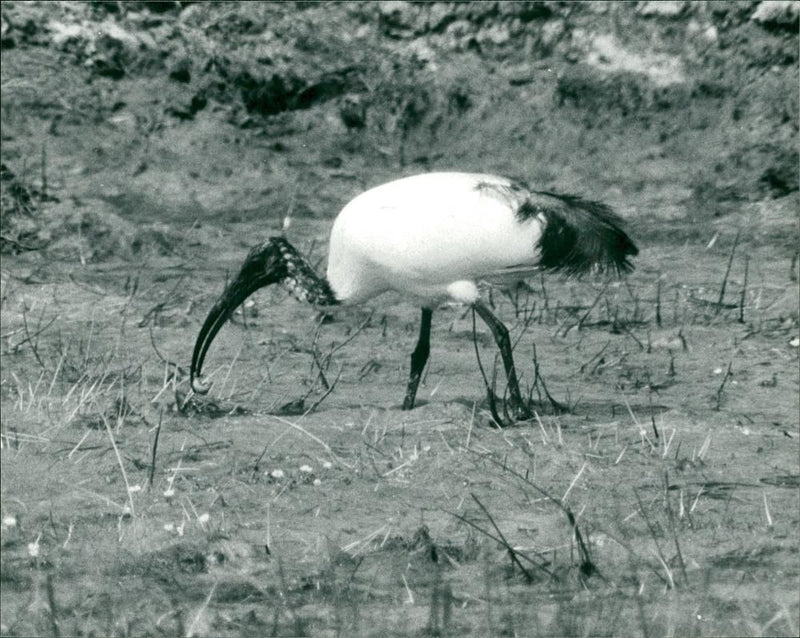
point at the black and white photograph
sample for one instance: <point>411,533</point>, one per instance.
<point>400,319</point>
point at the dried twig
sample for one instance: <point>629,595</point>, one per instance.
<point>744,288</point>
<point>511,552</point>
<point>357,332</point>
<point>580,321</point>
<point>199,614</point>
<point>178,369</point>
<point>658,301</point>
<point>587,567</point>
<point>121,464</point>
<point>155,449</point>
<point>328,391</point>
<point>558,407</point>
<point>17,245</point>
<point>670,582</point>
<point>671,516</point>
<point>597,356</point>
<point>722,386</point>
<point>727,272</point>
<point>502,541</point>
<point>29,338</point>
<point>51,605</point>
<point>315,354</point>
<point>314,438</point>
<point>43,166</point>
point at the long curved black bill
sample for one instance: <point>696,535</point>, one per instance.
<point>262,267</point>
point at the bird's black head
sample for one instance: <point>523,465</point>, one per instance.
<point>264,265</point>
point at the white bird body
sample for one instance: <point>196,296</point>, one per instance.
<point>435,236</point>
<point>431,236</point>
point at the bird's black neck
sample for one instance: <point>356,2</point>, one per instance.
<point>301,279</point>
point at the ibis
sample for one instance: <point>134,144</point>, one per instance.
<point>435,237</point>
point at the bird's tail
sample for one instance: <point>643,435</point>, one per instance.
<point>579,235</point>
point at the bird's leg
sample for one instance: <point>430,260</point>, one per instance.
<point>419,358</point>
<point>503,341</point>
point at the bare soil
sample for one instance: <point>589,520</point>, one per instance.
<point>146,148</point>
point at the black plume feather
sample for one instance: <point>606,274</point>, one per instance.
<point>579,234</point>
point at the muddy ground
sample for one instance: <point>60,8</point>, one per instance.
<point>146,148</point>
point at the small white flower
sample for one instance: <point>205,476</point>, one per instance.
<point>307,469</point>
<point>717,370</point>
<point>317,482</point>
<point>169,493</point>
<point>9,521</point>
<point>135,488</point>
<point>277,474</point>
<point>795,343</point>
<point>203,518</point>
<point>327,465</point>
<point>33,548</point>
<point>169,527</point>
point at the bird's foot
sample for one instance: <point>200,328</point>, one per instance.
<point>518,410</point>
<point>411,391</point>
<point>410,399</point>
<point>515,410</point>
